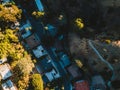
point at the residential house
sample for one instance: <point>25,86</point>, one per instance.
<point>32,41</point>
<point>52,75</point>
<point>47,68</point>
<point>8,85</point>
<point>98,83</point>
<point>44,65</point>
<point>5,71</point>
<point>39,51</point>
<point>75,72</point>
<point>81,85</point>
<point>25,30</point>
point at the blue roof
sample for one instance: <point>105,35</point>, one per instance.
<point>44,65</point>
<point>39,5</point>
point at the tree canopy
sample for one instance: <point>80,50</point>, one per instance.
<point>9,13</point>
<point>79,23</point>
<point>36,82</point>
<point>38,14</point>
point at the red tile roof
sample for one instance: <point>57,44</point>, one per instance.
<point>81,85</point>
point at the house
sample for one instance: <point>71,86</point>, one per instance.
<point>3,60</point>
<point>47,68</point>
<point>98,83</point>
<point>81,85</point>
<point>74,71</point>
<point>44,65</point>
<point>39,51</point>
<point>32,41</point>
<point>52,75</point>
<point>25,30</point>
<point>5,71</point>
<point>39,5</point>
<point>8,85</point>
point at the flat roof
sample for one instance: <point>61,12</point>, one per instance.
<point>52,75</point>
<point>75,71</point>
<point>5,71</point>
<point>8,85</point>
<point>25,29</point>
<point>44,65</point>
<point>32,41</point>
<point>39,51</point>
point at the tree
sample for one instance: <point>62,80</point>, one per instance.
<point>38,14</point>
<point>6,42</point>
<point>36,82</point>
<point>22,70</point>
<point>25,66</point>
<point>9,13</point>
<point>79,23</point>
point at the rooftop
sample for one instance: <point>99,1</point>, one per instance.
<point>39,51</point>
<point>5,71</point>
<point>53,74</point>
<point>82,85</point>
<point>32,41</point>
<point>74,71</point>
<point>39,5</point>
<point>8,85</point>
<point>25,30</point>
<point>44,65</point>
<point>98,82</point>
<point>65,60</point>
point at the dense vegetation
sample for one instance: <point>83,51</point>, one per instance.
<point>10,47</point>
<point>9,13</point>
<point>36,82</point>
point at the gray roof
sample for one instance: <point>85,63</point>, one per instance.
<point>98,82</point>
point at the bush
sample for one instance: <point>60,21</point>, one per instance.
<point>36,82</point>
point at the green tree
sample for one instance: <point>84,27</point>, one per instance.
<point>8,39</point>
<point>79,23</point>
<point>36,82</point>
<point>22,70</point>
<point>38,14</point>
<point>9,13</point>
